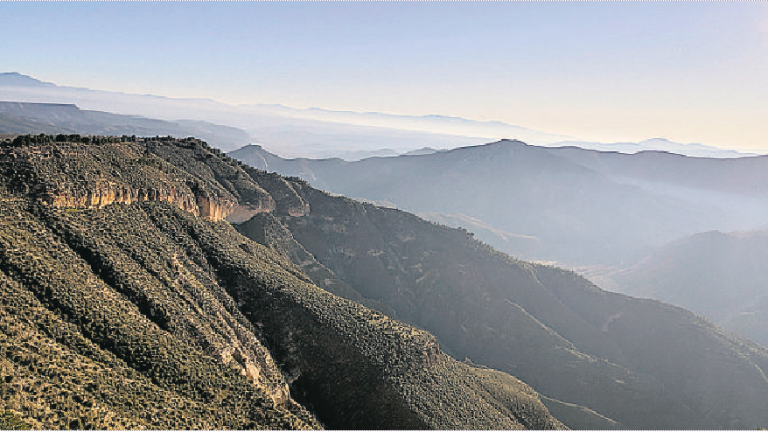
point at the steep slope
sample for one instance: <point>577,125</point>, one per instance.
<point>522,245</point>
<point>642,363</point>
<point>579,212</point>
<point>719,275</point>
<point>100,332</point>
<point>129,303</point>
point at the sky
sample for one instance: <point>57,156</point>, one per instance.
<point>603,71</point>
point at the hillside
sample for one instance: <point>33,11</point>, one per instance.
<point>736,176</point>
<point>622,357</point>
<point>162,270</point>
<point>719,275</point>
<point>581,207</point>
<point>129,302</point>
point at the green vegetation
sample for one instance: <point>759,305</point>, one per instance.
<point>9,421</point>
<point>111,337</point>
<point>43,139</point>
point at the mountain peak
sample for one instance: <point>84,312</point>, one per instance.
<point>15,79</point>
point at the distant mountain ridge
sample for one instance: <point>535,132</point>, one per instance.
<point>262,323</point>
<point>158,283</point>
<point>426,123</point>
<point>582,206</point>
<point>619,356</point>
<point>657,144</point>
<point>23,118</point>
<point>18,80</point>
<point>320,133</point>
<point>741,176</point>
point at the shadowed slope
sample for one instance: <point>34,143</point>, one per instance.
<point>641,363</point>
<point>127,313</point>
<point>580,206</point>
<point>719,275</point>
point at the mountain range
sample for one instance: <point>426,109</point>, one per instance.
<point>316,132</point>
<point>158,282</point>
<point>24,118</point>
<point>568,205</point>
<point>161,283</point>
<point>646,224</point>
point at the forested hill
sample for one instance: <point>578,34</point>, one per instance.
<point>129,302</point>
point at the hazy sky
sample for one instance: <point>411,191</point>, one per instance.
<point>687,71</point>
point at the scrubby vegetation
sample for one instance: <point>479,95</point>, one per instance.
<point>114,333</point>
<point>551,328</point>
<point>139,314</point>
<point>154,312</point>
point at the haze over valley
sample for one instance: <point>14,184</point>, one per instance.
<point>599,212</point>
<point>397,216</point>
<point>289,132</point>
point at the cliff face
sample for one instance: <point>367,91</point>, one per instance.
<point>102,195</point>
<point>199,204</point>
<point>74,175</point>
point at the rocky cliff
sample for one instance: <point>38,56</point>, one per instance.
<point>72,175</point>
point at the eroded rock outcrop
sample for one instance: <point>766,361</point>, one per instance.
<point>257,366</point>
<point>101,195</point>
<point>79,176</point>
<point>241,213</point>
<point>159,319</point>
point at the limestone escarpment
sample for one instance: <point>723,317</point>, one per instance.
<point>66,174</point>
<point>212,208</point>
<point>242,213</point>
<point>80,176</point>
<point>104,194</point>
<point>198,202</point>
